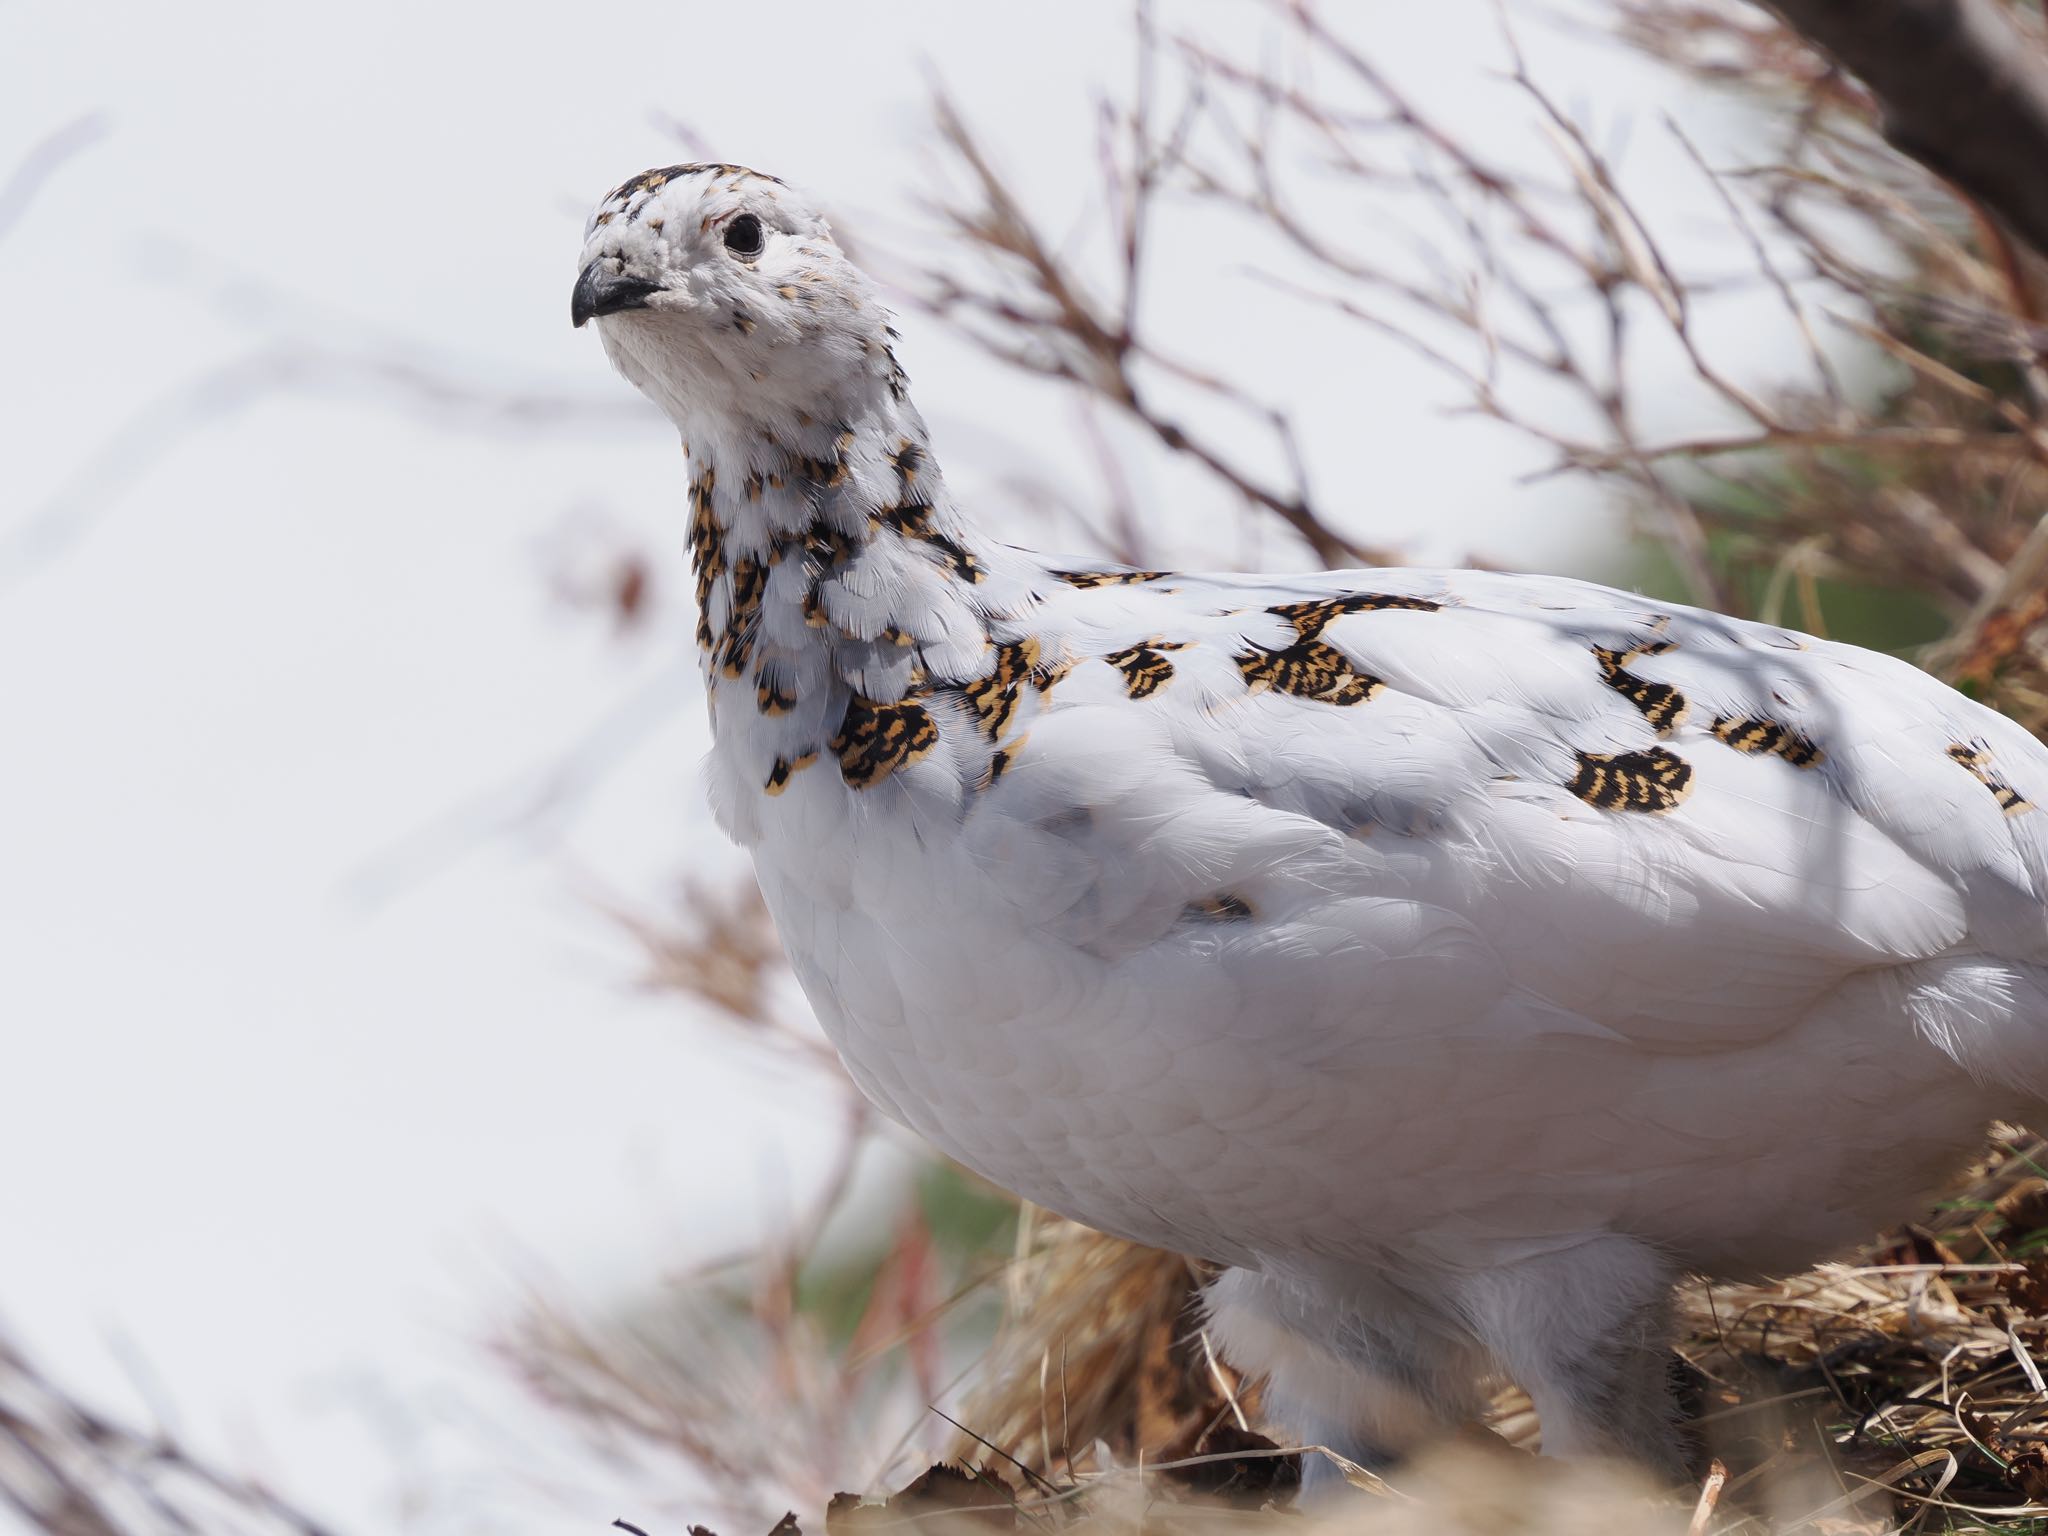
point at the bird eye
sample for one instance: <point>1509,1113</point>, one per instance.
<point>743,235</point>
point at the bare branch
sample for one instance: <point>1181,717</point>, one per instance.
<point>42,162</point>
<point>1963,89</point>
<point>70,1470</point>
<point>1057,330</point>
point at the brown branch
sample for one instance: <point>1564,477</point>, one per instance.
<point>1962,86</point>
<point>1861,440</point>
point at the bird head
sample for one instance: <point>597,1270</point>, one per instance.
<point>720,294</point>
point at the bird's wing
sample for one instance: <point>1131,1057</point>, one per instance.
<point>1634,817</point>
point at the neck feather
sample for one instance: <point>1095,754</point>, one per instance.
<point>838,590</point>
<point>836,556</point>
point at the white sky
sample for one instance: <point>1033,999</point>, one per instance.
<point>286,1144</point>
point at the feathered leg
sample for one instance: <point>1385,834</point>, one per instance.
<point>1370,1379</point>
<point>1586,1332</point>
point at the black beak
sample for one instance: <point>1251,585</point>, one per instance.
<point>600,291</point>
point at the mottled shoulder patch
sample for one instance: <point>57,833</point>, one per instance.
<point>1308,669</point>
<point>1145,667</point>
<point>1978,762</point>
<point>1757,735</point>
<point>875,740</point>
<point>1659,703</point>
<point>1656,780</point>
<point>1311,618</point>
<point>742,620</point>
<point>914,521</point>
<point>993,699</point>
<point>1087,579</point>
<point>707,553</point>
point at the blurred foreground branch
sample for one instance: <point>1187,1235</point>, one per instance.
<point>70,1471</point>
<point>1963,87</point>
<point>42,162</point>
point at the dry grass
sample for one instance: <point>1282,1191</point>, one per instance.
<point>1898,1390</point>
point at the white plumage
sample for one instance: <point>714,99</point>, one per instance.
<point>1457,957</point>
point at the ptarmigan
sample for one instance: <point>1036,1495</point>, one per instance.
<point>1455,957</point>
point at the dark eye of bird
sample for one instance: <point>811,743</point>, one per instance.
<point>743,235</point>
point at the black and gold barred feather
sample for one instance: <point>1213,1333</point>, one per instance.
<point>1145,666</point>
<point>1760,736</point>
<point>1308,669</point>
<point>1978,762</point>
<point>875,740</point>
<point>1656,780</point>
<point>1311,618</point>
<point>1659,703</point>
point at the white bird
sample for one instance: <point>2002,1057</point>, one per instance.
<point>1458,958</point>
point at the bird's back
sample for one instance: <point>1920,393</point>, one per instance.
<point>1504,904</point>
